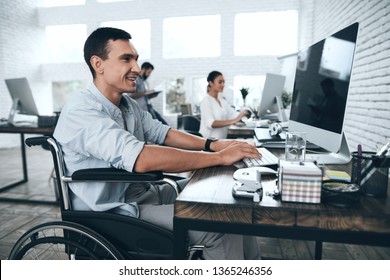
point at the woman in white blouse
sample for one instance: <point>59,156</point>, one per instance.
<point>216,113</point>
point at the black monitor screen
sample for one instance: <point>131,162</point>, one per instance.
<point>322,81</point>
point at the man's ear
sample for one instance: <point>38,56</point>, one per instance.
<point>97,64</point>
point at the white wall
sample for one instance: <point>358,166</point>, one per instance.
<point>368,108</point>
<point>93,13</point>
<point>22,48</point>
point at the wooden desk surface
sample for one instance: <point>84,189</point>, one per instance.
<point>208,197</point>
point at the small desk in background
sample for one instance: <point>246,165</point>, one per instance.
<point>236,131</point>
<point>22,130</point>
<point>207,204</point>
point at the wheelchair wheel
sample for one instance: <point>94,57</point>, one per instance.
<point>63,241</point>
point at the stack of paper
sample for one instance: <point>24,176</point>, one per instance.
<point>337,175</point>
<point>300,182</point>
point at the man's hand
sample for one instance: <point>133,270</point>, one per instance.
<point>222,144</point>
<point>236,151</point>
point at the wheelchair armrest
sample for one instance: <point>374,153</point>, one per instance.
<point>113,174</point>
<point>37,141</point>
<point>120,175</point>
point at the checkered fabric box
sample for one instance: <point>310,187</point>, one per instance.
<point>300,183</point>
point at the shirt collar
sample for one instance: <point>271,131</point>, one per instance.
<point>107,104</point>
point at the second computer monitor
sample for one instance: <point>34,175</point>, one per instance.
<point>22,99</point>
<point>20,93</point>
<point>273,87</point>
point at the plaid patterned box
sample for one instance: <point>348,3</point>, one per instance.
<point>300,183</point>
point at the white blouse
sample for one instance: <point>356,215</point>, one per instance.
<point>211,111</point>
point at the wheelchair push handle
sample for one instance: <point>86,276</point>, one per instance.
<point>36,141</point>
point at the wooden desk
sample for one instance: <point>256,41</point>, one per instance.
<point>236,131</point>
<point>22,131</point>
<point>207,204</point>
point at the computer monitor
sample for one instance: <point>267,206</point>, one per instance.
<point>22,98</point>
<point>320,93</point>
<point>273,87</point>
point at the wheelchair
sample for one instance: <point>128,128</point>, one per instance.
<point>95,235</point>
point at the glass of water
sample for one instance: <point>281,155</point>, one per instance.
<point>295,146</point>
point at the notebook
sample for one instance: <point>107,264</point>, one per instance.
<point>264,139</point>
<point>263,135</point>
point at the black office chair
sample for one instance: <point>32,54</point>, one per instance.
<point>90,234</point>
<point>190,124</point>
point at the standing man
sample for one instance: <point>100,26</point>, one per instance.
<point>102,127</point>
<point>142,93</point>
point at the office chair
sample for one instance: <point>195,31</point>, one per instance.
<point>91,234</point>
<point>190,124</point>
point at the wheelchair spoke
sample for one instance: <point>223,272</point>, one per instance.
<point>62,241</point>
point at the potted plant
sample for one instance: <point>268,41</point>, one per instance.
<point>244,93</point>
<point>255,112</point>
<point>286,99</point>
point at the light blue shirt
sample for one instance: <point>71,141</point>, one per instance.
<point>94,133</point>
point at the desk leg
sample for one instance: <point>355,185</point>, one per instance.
<point>179,240</point>
<point>24,158</point>
<point>318,250</point>
<point>24,166</point>
<point>24,180</point>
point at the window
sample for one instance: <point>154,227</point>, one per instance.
<point>66,42</point>
<point>266,33</point>
<point>109,1</point>
<point>58,3</point>
<point>140,33</point>
<point>255,85</point>
<point>63,90</point>
<point>199,91</point>
<point>197,36</point>
<point>175,96</point>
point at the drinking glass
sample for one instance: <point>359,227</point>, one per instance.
<point>295,146</point>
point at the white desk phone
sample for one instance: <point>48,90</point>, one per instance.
<point>248,182</point>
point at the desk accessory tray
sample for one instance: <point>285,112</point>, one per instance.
<point>370,171</point>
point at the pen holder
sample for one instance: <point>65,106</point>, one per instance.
<point>371,172</point>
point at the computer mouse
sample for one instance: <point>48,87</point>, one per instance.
<point>264,170</point>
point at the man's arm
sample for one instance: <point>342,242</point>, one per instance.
<point>184,155</point>
<point>183,140</point>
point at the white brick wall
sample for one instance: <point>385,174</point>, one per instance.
<point>368,108</point>
<point>22,49</point>
<point>21,53</point>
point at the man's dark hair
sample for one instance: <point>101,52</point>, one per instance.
<point>147,65</point>
<point>97,43</point>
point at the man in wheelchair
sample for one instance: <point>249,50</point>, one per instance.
<point>102,127</point>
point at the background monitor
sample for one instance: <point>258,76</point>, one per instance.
<point>321,87</point>
<point>22,98</point>
<point>273,87</point>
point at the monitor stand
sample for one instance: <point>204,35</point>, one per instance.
<point>343,156</point>
<point>13,112</point>
<point>281,111</point>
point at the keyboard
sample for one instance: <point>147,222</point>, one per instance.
<point>267,159</point>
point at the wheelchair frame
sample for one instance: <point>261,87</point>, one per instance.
<point>91,234</point>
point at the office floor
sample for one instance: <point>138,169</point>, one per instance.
<point>16,218</point>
